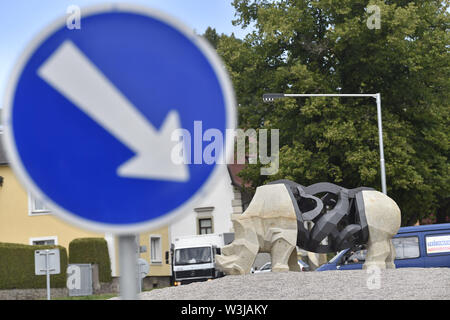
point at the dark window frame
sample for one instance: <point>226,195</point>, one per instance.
<point>208,229</point>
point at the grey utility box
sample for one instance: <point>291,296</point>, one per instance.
<point>79,279</point>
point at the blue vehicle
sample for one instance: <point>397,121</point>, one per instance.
<point>426,246</point>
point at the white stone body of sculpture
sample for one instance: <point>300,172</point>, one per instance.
<point>270,225</point>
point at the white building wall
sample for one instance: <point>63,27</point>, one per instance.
<point>220,197</point>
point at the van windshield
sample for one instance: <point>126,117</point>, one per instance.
<point>335,257</point>
<point>192,255</point>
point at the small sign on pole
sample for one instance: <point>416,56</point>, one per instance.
<point>46,262</point>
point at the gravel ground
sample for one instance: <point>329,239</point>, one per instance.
<point>405,283</point>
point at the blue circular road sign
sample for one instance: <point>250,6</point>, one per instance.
<point>90,115</point>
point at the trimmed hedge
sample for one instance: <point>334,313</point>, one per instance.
<point>17,267</point>
<point>94,251</point>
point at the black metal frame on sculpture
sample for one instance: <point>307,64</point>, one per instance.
<point>336,213</point>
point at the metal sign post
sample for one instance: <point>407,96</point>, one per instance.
<point>128,267</point>
<point>47,274</point>
<point>380,139</point>
<point>270,97</point>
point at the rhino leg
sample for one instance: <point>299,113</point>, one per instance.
<point>282,250</point>
<point>391,257</point>
<point>383,220</point>
<point>293,261</point>
<point>377,253</point>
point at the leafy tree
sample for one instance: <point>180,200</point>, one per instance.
<point>325,46</point>
<point>212,36</point>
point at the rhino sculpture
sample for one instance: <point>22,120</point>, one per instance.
<point>277,217</point>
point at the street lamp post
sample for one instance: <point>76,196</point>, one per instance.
<point>270,97</point>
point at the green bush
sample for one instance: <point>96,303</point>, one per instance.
<point>94,251</point>
<point>17,267</point>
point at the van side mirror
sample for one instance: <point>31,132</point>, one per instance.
<point>218,251</point>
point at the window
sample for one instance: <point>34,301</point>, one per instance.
<point>205,226</point>
<point>155,249</point>
<point>406,247</point>
<point>188,256</point>
<point>204,220</point>
<point>267,266</point>
<point>37,207</point>
<point>358,256</point>
<point>52,240</point>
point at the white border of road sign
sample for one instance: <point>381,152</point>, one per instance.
<point>22,174</point>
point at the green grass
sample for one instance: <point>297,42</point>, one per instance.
<point>92,297</point>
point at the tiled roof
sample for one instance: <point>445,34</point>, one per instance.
<point>234,169</point>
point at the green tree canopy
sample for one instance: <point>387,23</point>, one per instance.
<point>212,36</point>
<point>325,46</point>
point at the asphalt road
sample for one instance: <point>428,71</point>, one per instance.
<point>405,283</point>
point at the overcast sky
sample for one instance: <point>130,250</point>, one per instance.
<point>21,20</point>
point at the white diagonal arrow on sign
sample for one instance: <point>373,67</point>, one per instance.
<point>72,74</point>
